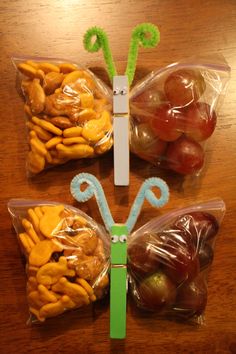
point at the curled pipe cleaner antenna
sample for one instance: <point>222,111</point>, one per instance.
<point>100,42</point>
<point>146,192</point>
<point>94,188</point>
<point>148,36</point>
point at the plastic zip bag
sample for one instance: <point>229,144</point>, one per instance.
<point>169,259</point>
<point>68,112</point>
<point>67,256</point>
<point>174,112</point>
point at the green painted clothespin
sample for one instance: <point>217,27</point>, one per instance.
<point>119,237</point>
<point>148,36</point>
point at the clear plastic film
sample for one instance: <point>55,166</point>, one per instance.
<point>174,112</point>
<point>67,256</point>
<point>169,259</point>
<point>68,112</point>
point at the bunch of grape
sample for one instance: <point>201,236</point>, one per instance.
<point>170,124</point>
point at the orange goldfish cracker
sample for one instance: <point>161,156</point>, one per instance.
<point>72,77</point>
<point>24,242</point>
<point>27,70</point>
<point>85,285</point>
<point>47,67</point>
<point>34,299</point>
<point>95,129</point>
<point>42,251</point>
<point>86,114</point>
<point>61,122</point>
<point>36,97</point>
<point>93,297</point>
<point>59,161</point>
<point>32,284</point>
<point>52,81</point>
<point>38,146</point>
<point>53,142</point>
<point>50,273</point>
<point>45,294</point>
<point>75,140</point>
<point>66,68</point>
<point>47,126</point>
<point>42,133</point>
<point>103,146</point>
<point>76,292</point>
<point>35,312</point>
<point>34,220</point>
<point>75,151</point>
<point>36,162</point>
<point>86,100</point>
<point>40,75</point>
<point>55,309</point>
<point>72,132</point>
<point>50,221</point>
<point>32,63</point>
<point>48,158</point>
<point>28,111</point>
<point>38,212</point>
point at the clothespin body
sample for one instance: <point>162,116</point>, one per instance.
<point>118,284</point>
<point>121,129</point>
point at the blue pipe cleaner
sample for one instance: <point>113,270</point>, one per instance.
<point>94,188</point>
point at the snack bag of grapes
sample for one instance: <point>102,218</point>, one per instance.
<point>169,259</point>
<point>174,112</point>
<point>67,256</point>
<point>67,109</point>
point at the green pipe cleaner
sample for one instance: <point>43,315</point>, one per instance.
<point>145,34</point>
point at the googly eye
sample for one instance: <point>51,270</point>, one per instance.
<point>123,238</point>
<point>116,91</point>
<point>123,91</point>
<point>114,238</point>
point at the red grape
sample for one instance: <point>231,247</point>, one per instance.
<point>143,105</point>
<point>201,226</point>
<point>206,256</point>
<point>191,298</point>
<point>167,122</point>
<point>156,292</point>
<point>143,255</point>
<point>200,121</point>
<point>145,143</point>
<point>183,87</point>
<point>184,156</point>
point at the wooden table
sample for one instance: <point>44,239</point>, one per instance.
<point>55,29</point>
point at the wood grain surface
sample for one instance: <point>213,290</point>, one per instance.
<point>55,29</point>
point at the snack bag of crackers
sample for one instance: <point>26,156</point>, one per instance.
<point>68,112</point>
<point>67,256</point>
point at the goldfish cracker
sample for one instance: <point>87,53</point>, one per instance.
<point>75,151</point>
<point>75,291</point>
<point>50,273</point>
<point>35,300</point>
<point>75,140</point>
<point>38,146</point>
<point>52,81</point>
<point>38,212</point>
<point>47,126</point>
<point>72,132</point>
<point>48,67</point>
<point>28,111</point>
<point>86,100</point>
<point>50,222</point>
<point>32,271</point>
<point>24,242</point>
<point>104,145</point>
<point>49,158</point>
<point>29,228</point>
<point>85,115</point>
<point>35,312</point>
<point>95,129</point>
<point>40,132</point>
<point>72,77</point>
<point>32,63</point>
<point>53,142</point>
<point>36,162</point>
<point>45,294</point>
<point>32,284</point>
<point>85,285</point>
<point>66,68</point>
<point>36,97</point>
<point>27,70</point>
<point>42,251</point>
<point>61,122</point>
<point>57,308</point>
